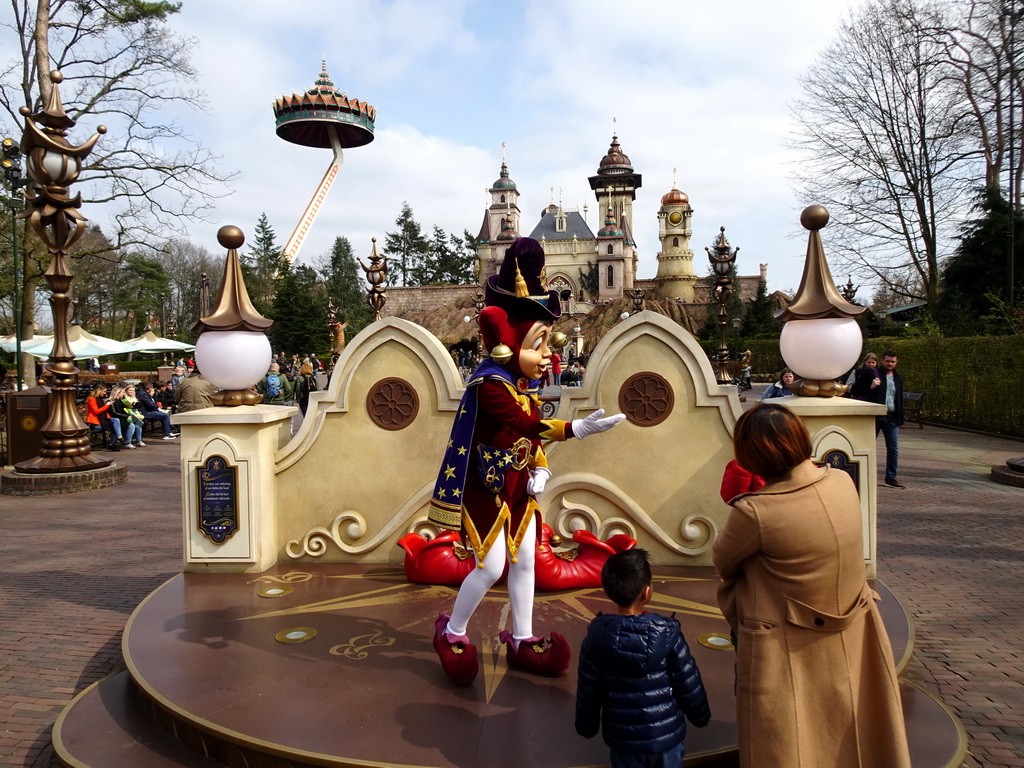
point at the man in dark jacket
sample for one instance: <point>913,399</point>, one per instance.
<point>637,680</point>
<point>151,411</point>
<point>890,394</point>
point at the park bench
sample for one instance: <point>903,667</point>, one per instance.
<point>912,407</point>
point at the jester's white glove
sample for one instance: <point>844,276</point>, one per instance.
<point>538,479</point>
<point>594,423</point>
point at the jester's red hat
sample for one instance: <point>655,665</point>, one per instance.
<point>520,287</point>
<point>517,297</point>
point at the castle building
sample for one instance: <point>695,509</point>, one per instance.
<point>588,268</point>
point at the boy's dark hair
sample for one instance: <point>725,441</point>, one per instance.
<point>625,574</point>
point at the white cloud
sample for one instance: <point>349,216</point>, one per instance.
<point>702,88</point>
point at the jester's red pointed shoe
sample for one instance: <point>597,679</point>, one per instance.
<point>458,658</point>
<point>547,656</point>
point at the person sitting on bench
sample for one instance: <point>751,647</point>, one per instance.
<point>152,412</point>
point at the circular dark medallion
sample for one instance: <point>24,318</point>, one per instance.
<point>646,399</point>
<point>392,404</point>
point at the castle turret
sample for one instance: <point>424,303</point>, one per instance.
<point>675,278</point>
<point>615,185</point>
<point>500,226</point>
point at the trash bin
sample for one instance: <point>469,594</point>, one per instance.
<point>27,412</point>
<point>108,368</point>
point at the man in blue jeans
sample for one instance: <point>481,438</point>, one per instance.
<point>890,394</point>
<point>151,411</point>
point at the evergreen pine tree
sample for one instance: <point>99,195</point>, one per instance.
<point>979,269</point>
<point>300,322</point>
<point>448,261</point>
<point>406,249</point>
<point>758,319</point>
<point>263,266</point>
<point>346,287</point>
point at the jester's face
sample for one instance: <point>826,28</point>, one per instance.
<point>534,354</point>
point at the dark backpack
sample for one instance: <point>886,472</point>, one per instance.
<point>273,385</point>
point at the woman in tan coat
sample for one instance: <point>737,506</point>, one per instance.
<point>815,681</point>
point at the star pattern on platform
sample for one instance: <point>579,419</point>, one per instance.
<point>577,605</point>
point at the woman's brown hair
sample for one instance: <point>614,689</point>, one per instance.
<point>769,440</point>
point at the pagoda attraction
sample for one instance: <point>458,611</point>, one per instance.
<point>322,117</point>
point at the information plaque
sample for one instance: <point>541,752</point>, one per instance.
<point>840,460</point>
<point>218,499</point>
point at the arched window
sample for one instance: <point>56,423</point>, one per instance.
<point>675,242</point>
<point>503,198</point>
<point>611,276</point>
<point>610,250</point>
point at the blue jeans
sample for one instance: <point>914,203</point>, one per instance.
<point>673,758</point>
<point>133,430</point>
<point>890,430</point>
<point>115,430</point>
<point>162,417</point>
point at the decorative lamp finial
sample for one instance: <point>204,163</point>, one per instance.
<point>821,339</point>
<point>232,350</point>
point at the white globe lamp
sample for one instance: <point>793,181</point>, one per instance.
<point>232,350</point>
<point>233,359</point>
<point>821,339</point>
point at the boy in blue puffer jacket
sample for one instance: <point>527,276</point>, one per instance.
<point>637,679</point>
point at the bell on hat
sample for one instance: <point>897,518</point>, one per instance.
<point>520,287</point>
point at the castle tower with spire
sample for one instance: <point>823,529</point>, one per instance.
<point>675,278</point>
<point>615,184</point>
<point>616,265</point>
<point>500,225</point>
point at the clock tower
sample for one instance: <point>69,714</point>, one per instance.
<point>675,276</point>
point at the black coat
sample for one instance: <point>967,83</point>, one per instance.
<point>862,378</point>
<point>146,402</point>
<point>637,680</point>
<point>877,395</point>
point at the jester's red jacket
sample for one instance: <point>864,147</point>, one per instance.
<point>495,443</point>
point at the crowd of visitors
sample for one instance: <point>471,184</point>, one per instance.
<point>121,412</point>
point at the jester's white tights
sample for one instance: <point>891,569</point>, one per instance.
<point>520,586</point>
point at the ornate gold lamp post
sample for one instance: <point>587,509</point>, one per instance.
<point>232,350</point>
<point>53,164</point>
<point>821,339</point>
<point>376,276</point>
<point>722,261</point>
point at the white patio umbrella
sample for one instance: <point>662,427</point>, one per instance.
<point>150,342</point>
<point>10,343</point>
<point>83,344</point>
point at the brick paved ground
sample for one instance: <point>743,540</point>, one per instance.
<point>951,545</point>
<point>72,568</point>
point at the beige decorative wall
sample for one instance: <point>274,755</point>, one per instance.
<point>359,473</point>
<point>349,486</point>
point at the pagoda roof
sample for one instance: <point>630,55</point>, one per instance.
<point>304,118</point>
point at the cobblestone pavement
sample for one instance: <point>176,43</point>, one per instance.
<point>951,546</point>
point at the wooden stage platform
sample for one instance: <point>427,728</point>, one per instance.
<point>332,665</point>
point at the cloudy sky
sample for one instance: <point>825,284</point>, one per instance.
<point>700,87</point>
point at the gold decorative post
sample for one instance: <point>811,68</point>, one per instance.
<point>376,276</point>
<point>53,164</point>
<point>337,331</point>
<point>722,261</point>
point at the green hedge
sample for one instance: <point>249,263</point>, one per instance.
<point>971,382</point>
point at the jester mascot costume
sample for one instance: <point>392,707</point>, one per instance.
<point>494,467</point>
